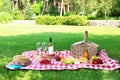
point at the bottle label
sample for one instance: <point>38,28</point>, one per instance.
<point>50,50</point>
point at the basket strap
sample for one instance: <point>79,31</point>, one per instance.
<point>86,36</point>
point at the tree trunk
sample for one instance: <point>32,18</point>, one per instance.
<point>64,9</point>
<point>68,8</point>
<point>44,6</point>
<point>12,5</point>
<point>59,6</point>
<point>83,3</point>
<point>61,9</point>
<point>105,14</point>
<point>54,2</point>
<point>33,1</point>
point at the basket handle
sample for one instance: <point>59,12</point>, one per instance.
<point>86,36</point>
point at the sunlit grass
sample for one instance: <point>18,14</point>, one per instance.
<point>9,30</point>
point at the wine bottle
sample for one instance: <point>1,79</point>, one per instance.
<point>50,47</point>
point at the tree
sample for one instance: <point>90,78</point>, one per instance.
<point>6,6</point>
<point>106,6</point>
<point>45,6</point>
<point>33,1</point>
<point>61,8</point>
<point>115,11</point>
<point>53,6</point>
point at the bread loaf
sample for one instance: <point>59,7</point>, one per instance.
<point>20,60</point>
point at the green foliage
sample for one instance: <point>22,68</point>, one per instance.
<point>53,10</point>
<point>93,15</point>
<point>28,13</point>
<point>37,8</point>
<point>46,19</point>
<point>68,13</point>
<point>64,20</point>
<point>5,17</point>
<point>115,11</point>
<point>17,15</point>
<point>5,6</point>
<point>75,20</point>
<point>76,6</point>
<point>104,8</point>
<point>1,3</point>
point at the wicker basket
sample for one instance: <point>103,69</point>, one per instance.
<point>78,48</point>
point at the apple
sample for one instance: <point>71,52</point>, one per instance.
<point>97,61</point>
<point>100,61</point>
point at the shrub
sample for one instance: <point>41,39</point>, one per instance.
<point>76,20</point>
<point>17,15</point>
<point>43,20</point>
<point>64,20</point>
<point>93,15</point>
<point>5,17</point>
<point>68,13</point>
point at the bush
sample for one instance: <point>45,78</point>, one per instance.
<point>64,20</point>
<point>93,15</point>
<point>5,17</point>
<point>44,20</point>
<point>76,20</point>
<point>17,15</point>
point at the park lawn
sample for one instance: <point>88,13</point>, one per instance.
<point>15,39</point>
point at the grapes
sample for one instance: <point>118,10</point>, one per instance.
<point>57,58</point>
<point>45,61</point>
<point>94,57</point>
<point>97,61</point>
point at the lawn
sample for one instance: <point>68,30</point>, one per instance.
<point>15,39</point>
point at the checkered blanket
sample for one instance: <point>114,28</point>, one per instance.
<point>108,63</point>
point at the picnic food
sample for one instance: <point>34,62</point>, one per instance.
<point>21,60</point>
<point>57,58</point>
<point>76,61</point>
<point>68,61</point>
<point>93,58</point>
<point>62,58</point>
<point>82,59</point>
<point>45,61</point>
<point>97,61</point>
<point>86,55</point>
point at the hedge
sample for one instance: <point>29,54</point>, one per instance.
<point>62,20</point>
<point>5,17</point>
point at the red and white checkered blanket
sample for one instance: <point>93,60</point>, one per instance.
<point>108,63</point>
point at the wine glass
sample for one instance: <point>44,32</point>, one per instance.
<point>44,46</point>
<point>39,46</point>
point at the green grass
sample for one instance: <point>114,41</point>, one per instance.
<point>15,39</point>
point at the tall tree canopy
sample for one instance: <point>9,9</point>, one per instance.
<point>101,8</point>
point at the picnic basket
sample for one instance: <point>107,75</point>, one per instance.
<point>78,48</point>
